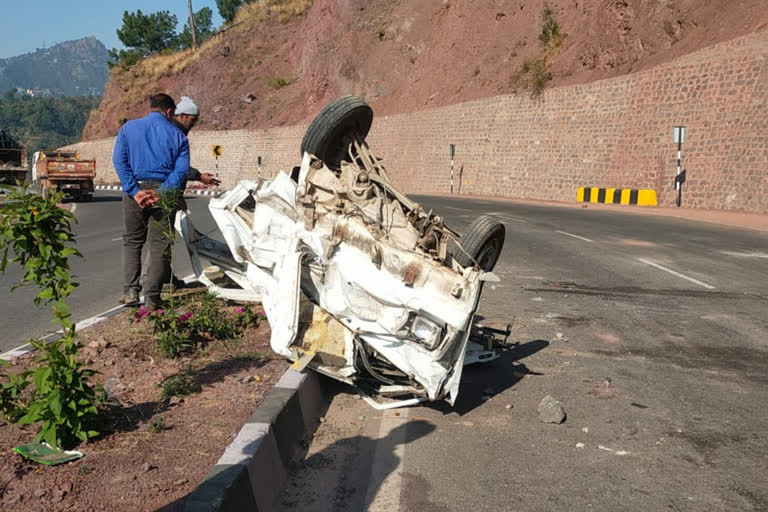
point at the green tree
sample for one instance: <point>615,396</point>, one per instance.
<point>228,9</point>
<point>203,27</point>
<point>148,33</point>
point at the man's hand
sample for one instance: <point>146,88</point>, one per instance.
<point>146,198</point>
<point>209,179</point>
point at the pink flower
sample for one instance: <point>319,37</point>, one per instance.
<point>185,316</point>
<point>239,309</point>
<point>142,313</point>
<point>159,312</point>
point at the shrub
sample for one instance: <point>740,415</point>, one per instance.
<point>180,384</point>
<point>38,235</point>
<point>276,82</point>
<point>535,71</point>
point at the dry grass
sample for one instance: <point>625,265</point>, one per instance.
<point>142,74</point>
<point>256,12</point>
<point>534,72</point>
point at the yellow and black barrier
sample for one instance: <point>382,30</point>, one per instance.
<point>617,196</point>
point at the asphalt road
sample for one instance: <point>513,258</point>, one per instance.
<point>98,234</point>
<point>651,331</point>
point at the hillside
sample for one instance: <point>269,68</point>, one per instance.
<point>406,56</point>
<point>72,68</point>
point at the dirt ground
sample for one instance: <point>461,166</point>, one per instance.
<point>409,56</point>
<point>152,452</point>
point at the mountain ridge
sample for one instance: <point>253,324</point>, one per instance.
<point>70,68</point>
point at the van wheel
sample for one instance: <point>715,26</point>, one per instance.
<point>332,131</point>
<point>481,243</point>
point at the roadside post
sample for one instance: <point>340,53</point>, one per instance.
<point>679,138</point>
<point>258,165</point>
<point>216,154</point>
<point>453,153</point>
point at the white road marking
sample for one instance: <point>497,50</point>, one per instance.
<point>678,274</point>
<point>88,322</point>
<point>458,209</point>
<point>746,254</point>
<point>513,219</point>
<point>575,236</point>
<point>386,482</point>
<point>116,239</point>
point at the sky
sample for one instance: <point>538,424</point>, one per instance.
<point>32,24</point>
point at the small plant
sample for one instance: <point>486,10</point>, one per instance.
<point>551,37</point>
<point>246,316</point>
<point>39,236</point>
<point>157,425</point>
<point>84,469</point>
<point>277,82</point>
<point>537,75</point>
<point>12,404</point>
<point>180,384</point>
<point>535,71</point>
<point>210,320</point>
<point>61,400</point>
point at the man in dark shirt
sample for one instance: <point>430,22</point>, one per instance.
<point>151,156</point>
<point>185,117</point>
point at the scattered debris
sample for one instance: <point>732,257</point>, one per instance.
<point>639,406</point>
<point>249,98</point>
<point>43,453</point>
<point>508,406</point>
<point>113,387</point>
<point>551,411</point>
<point>604,390</point>
<point>585,430</point>
<point>579,445</point>
<point>617,452</point>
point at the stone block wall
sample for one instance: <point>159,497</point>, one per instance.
<point>615,133</point>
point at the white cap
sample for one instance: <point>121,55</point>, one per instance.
<point>187,106</point>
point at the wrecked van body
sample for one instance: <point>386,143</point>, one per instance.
<point>358,282</point>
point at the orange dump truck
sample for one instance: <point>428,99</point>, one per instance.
<point>64,171</point>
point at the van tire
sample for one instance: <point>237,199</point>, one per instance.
<point>331,131</point>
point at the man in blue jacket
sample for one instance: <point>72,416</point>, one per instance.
<point>151,156</point>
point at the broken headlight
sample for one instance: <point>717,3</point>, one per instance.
<point>426,332</point>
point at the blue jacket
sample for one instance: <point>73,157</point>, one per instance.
<point>151,148</point>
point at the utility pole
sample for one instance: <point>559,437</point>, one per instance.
<point>192,25</point>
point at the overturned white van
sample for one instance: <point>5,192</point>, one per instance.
<point>358,282</point>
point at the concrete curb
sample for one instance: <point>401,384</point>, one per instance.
<point>195,192</point>
<point>251,472</point>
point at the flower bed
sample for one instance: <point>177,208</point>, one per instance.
<point>164,421</point>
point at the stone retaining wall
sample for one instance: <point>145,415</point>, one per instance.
<point>615,133</point>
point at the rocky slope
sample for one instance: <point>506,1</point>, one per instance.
<point>404,55</point>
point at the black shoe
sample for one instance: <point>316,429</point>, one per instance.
<point>130,297</point>
<point>153,303</point>
<point>175,285</point>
